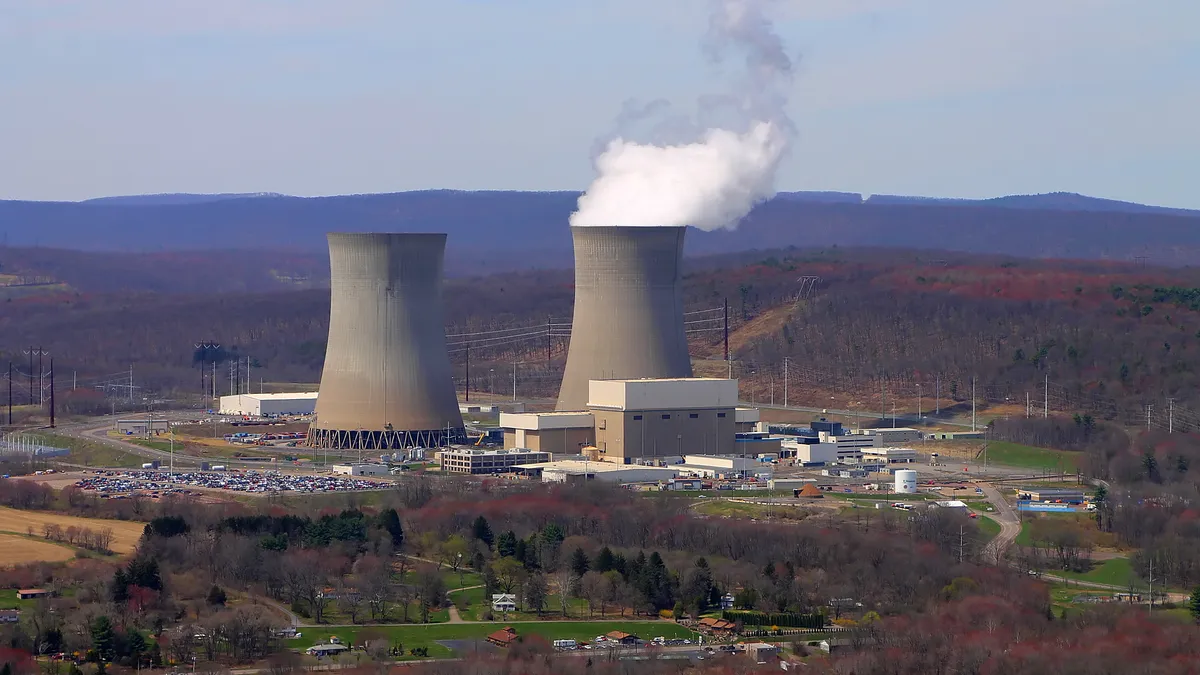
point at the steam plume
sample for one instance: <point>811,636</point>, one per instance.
<point>713,180</point>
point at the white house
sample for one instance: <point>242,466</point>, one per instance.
<point>504,602</point>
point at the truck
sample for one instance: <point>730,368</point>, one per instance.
<point>565,644</point>
<point>218,467</point>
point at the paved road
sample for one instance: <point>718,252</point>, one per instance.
<point>1010,524</point>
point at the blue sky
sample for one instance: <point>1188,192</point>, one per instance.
<point>953,98</point>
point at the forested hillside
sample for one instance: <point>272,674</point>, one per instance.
<point>1107,338</point>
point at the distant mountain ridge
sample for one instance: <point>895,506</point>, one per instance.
<point>1056,201</point>
<point>499,230</point>
<point>176,198</point>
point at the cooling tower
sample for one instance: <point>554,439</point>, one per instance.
<point>628,319</point>
<point>387,381</point>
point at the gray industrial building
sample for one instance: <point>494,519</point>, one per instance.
<point>387,381</point>
<point>628,318</point>
<point>476,461</point>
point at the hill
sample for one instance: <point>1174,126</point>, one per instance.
<point>879,324</point>
<point>493,231</point>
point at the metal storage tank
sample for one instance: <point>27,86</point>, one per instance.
<point>628,319</point>
<point>387,381</point>
<point>906,481</point>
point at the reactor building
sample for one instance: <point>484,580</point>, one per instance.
<point>387,381</point>
<point>628,319</point>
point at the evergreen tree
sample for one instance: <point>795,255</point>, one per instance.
<point>506,545</point>
<point>604,560</point>
<point>216,595</point>
<point>390,520</point>
<point>135,644</point>
<point>482,531</point>
<point>1194,604</point>
<point>118,590</point>
<point>103,638</point>
<point>579,563</point>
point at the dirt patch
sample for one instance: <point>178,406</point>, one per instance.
<point>18,550</point>
<point>125,533</point>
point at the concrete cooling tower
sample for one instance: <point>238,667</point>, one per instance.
<point>387,381</point>
<point>628,320</point>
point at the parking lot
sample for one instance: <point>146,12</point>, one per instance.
<point>114,483</point>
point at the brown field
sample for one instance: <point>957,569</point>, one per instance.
<point>17,550</point>
<point>125,533</point>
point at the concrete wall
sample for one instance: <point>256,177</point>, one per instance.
<point>556,441</point>
<point>674,394</point>
<point>621,434</point>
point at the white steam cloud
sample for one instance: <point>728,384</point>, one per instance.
<point>715,179</point>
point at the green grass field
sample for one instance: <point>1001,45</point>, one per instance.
<point>91,453</point>
<point>1115,572</point>
<point>8,600</point>
<point>988,527</point>
<point>427,636</point>
<point>1030,457</point>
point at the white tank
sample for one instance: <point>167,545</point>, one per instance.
<point>906,481</point>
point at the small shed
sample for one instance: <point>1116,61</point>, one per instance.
<point>326,650</point>
<point>32,593</point>
<point>759,652</point>
<point>622,637</point>
<point>503,637</point>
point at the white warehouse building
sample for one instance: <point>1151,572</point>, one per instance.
<point>262,405</point>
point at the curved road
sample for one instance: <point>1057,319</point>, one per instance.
<point>1010,524</point>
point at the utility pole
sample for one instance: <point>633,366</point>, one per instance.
<point>728,363</point>
<point>918,404</point>
<point>10,393</point>
<point>1026,405</point>
<point>468,369</point>
<point>1170,415</point>
<point>1046,401</point>
<point>514,379</point>
<point>1147,417</point>
<point>972,403</point>
<point>1151,585</point>
<point>937,396</point>
<point>41,377</point>
<point>30,353</point>
<point>547,341</point>
<point>785,381</point>
<point>51,393</point>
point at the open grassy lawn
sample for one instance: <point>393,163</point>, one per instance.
<point>126,533</point>
<point>450,578</point>
<point>427,636</point>
<point>1030,457</point>
<point>1114,571</point>
<point>91,453</point>
<point>988,527</point>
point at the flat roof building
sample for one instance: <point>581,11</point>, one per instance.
<point>630,420</point>
<point>1051,494</point>
<point>137,427</point>
<point>890,455</point>
<point>578,471</point>
<point>475,461</point>
<point>889,435</point>
<point>662,418</point>
<point>264,405</point>
<point>554,432</point>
